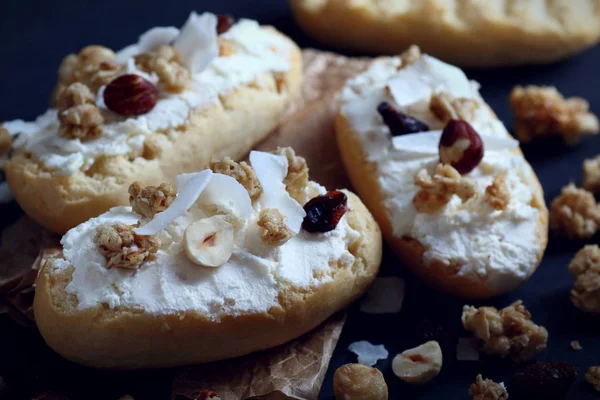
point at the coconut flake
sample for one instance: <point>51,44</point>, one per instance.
<point>156,37</point>
<point>368,354</point>
<point>426,143</point>
<point>271,170</point>
<point>197,43</point>
<point>228,194</point>
<point>385,296</point>
<point>189,190</point>
<point>465,351</point>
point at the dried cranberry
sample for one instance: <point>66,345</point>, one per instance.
<point>224,23</point>
<point>324,212</point>
<point>541,380</point>
<point>398,122</point>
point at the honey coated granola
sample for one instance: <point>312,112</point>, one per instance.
<point>585,266</point>
<point>149,200</point>
<point>437,189</point>
<point>164,62</point>
<point>241,172</point>
<point>487,390</point>
<point>275,231</point>
<point>123,248</point>
<point>296,179</point>
<point>591,175</point>
<point>497,194</point>
<point>593,377</point>
<point>78,114</point>
<point>575,213</point>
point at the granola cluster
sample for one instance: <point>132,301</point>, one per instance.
<point>445,107</point>
<point>241,172</point>
<point>122,248</point>
<point>487,390</point>
<point>593,377</point>
<point>497,194</point>
<point>575,213</point>
<point>94,66</point>
<point>227,47</point>
<point>5,141</point>
<point>585,294</point>
<point>164,62</point>
<point>543,111</point>
<point>507,332</point>
<point>591,175</point>
<point>78,114</point>
<point>149,200</point>
<point>296,179</point>
<point>275,231</point>
<point>437,189</point>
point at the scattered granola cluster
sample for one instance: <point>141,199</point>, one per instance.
<point>585,294</point>
<point>437,189</point>
<point>575,213</point>
<point>5,141</point>
<point>122,248</point>
<point>275,231</point>
<point>296,179</point>
<point>487,390</point>
<point>78,114</point>
<point>164,62</point>
<point>446,107</point>
<point>94,66</point>
<point>591,175</point>
<point>543,111</point>
<point>593,377</point>
<point>497,194</point>
<point>150,200</point>
<point>241,172</point>
<point>508,332</point>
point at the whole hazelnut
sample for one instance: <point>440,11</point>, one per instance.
<point>460,146</point>
<point>130,94</point>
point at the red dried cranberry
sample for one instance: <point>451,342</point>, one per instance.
<point>324,212</point>
<point>224,23</point>
<point>541,380</point>
<point>398,122</point>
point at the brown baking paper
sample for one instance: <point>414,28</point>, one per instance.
<point>292,371</point>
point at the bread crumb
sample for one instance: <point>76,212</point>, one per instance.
<point>241,172</point>
<point>542,111</point>
<point>275,231</point>
<point>497,194</point>
<point>508,332</point>
<point>296,179</point>
<point>437,189</point>
<point>575,345</point>
<point>164,62</point>
<point>585,266</point>
<point>150,200</point>
<point>575,213</point>
<point>487,390</point>
<point>591,175</point>
<point>593,377</point>
<point>123,248</point>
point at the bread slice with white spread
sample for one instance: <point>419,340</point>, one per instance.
<point>448,185</point>
<point>238,259</point>
<point>161,107</point>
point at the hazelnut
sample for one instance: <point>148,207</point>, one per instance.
<point>130,94</point>
<point>224,23</point>
<point>359,382</point>
<point>460,146</point>
<point>419,365</point>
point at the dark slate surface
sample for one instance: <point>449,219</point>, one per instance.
<point>35,35</point>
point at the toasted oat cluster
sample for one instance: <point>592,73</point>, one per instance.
<point>575,213</point>
<point>585,294</point>
<point>445,107</point>
<point>437,189</point>
<point>241,172</point>
<point>78,114</point>
<point>487,390</point>
<point>497,194</point>
<point>543,111</point>
<point>122,248</point>
<point>591,175</point>
<point>297,175</point>
<point>593,377</point>
<point>164,62</point>
<point>507,332</point>
<point>5,141</point>
<point>149,200</point>
<point>275,231</point>
<point>94,66</point>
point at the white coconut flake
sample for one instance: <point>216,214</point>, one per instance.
<point>385,296</point>
<point>156,37</point>
<point>227,194</point>
<point>6,195</point>
<point>368,354</point>
<point>189,190</point>
<point>466,351</point>
<point>197,42</point>
<point>271,170</point>
<point>426,143</point>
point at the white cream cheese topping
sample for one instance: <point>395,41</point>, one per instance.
<point>499,246</point>
<point>248,283</point>
<point>260,51</point>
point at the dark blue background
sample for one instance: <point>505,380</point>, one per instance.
<point>35,35</point>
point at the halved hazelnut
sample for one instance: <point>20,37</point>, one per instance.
<point>460,146</point>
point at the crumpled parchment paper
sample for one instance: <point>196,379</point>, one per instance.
<point>291,371</point>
